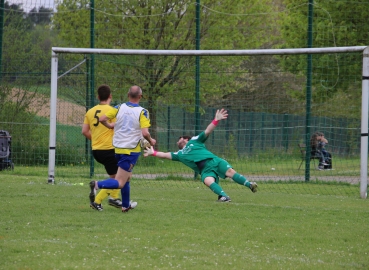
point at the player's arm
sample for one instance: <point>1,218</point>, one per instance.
<point>149,151</point>
<point>104,119</point>
<point>145,124</point>
<point>86,128</point>
<point>86,131</point>
<point>219,115</point>
<point>147,136</point>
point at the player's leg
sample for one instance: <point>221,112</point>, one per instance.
<point>126,164</point>
<point>238,178</point>
<point>117,183</point>
<point>97,203</point>
<point>114,196</point>
<point>209,180</point>
<point>103,184</point>
<point>126,193</point>
<point>103,193</point>
<point>127,203</point>
<point>125,167</point>
<point>106,158</point>
<point>114,199</point>
<point>111,168</point>
<point>235,176</point>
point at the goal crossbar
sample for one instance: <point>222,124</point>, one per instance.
<point>349,49</point>
<point>210,52</point>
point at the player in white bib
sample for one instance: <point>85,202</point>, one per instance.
<point>132,123</point>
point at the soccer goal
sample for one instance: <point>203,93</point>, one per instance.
<point>276,99</point>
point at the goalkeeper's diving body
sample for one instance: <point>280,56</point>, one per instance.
<point>194,154</point>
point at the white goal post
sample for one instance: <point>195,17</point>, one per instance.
<point>365,87</point>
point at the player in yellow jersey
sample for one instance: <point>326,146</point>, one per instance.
<point>102,145</point>
<point>132,125</point>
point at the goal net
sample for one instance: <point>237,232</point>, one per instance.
<point>276,99</point>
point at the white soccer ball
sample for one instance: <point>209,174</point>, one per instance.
<point>145,143</point>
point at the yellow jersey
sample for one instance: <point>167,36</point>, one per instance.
<point>101,136</point>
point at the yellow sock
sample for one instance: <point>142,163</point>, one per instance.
<point>103,193</point>
<point>114,193</point>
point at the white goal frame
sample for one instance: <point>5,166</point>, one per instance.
<point>364,104</point>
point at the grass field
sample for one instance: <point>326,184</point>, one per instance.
<point>178,227</point>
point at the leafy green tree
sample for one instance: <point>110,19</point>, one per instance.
<point>15,16</point>
<point>40,15</point>
<point>26,65</point>
<point>26,48</point>
<point>25,62</point>
<point>335,23</point>
<point>165,25</point>
<point>20,106</point>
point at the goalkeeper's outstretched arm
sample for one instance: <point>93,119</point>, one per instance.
<point>219,115</point>
<point>149,151</point>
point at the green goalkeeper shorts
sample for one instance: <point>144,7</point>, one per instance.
<point>216,167</point>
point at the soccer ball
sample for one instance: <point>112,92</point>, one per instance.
<point>145,143</point>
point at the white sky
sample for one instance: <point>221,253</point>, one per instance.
<point>27,5</point>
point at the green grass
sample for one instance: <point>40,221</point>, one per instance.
<point>179,226</point>
<point>286,178</point>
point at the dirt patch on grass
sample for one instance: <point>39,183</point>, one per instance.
<point>67,113</point>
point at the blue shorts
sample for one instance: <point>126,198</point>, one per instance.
<point>127,162</point>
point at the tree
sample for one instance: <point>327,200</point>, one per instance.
<point>26,52</point>
<point>335,23</point>
<point>26,48</point>
<point>165,25</point>
<point>14,15</point>
<point>41,15</point>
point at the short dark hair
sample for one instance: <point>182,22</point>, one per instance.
<point>103,92</point>
<point>186,137</point>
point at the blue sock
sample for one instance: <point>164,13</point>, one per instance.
<point>126,192</point>
<point>110,183</point>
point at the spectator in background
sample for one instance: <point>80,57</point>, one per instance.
<point>317,143</point>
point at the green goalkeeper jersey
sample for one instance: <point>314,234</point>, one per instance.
<point>193,152</point>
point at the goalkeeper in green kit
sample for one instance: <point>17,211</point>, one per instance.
<point>194,154</point>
